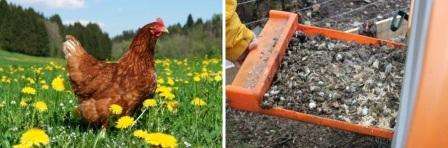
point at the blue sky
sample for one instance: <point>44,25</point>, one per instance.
<point>114,16</point>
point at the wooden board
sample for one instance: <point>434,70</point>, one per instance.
<point>383,29</point>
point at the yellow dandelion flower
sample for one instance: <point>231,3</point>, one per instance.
<point>139,133</point>
<point>40,106</point>
<point>45,86</point>
<point>204,74</point>
<point>115,109</point>
<point>58,84</point>
<point>171,105</point>
<point>29,90</point>
<point>215,61</point>
<point>30,80</point>
<point>205,62</point>
<point>196,78</point>
<point>125,122</point>
<point>161,140</point>
<point>150,103</point>
<point>170,81</point>
<point>198,102</point>
<point>168,95</point>
<point>2,104</point>
<point>218,78</point>
<point>162,89</point>
<point>33,137</point>
<point>160,81</point>
<point>23,103</point>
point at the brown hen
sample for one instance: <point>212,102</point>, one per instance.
<point>127,83</point>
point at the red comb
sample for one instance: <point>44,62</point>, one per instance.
<point>159,20</point>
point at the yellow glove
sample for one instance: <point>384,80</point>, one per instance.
<point>238,36</point>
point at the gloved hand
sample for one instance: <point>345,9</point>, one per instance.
<point>253,44</point>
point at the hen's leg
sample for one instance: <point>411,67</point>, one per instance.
<point>105,123</point>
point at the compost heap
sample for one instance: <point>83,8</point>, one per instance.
<point>340,80</point>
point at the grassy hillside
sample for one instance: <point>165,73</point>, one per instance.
<point>35,94</point>
<point>13,58</point>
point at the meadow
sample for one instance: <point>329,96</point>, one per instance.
<point>37,104</point>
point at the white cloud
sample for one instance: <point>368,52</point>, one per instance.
<point>57,3</point>
<point>85,22</point>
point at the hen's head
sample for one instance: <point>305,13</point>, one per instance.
<point>156,28</point>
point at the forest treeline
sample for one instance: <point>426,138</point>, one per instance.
<point>27,31</point>
<point>192,39</point>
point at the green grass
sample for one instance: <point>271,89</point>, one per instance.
<point>7,58</point>
<point>198,126</point>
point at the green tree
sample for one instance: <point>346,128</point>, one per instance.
<point>57,19</point>
<point>199,22</point>
<point>27,31</point>
<point>4,15</point>
<point>92,38</point>
<point>176,28</point>
<point>190,21</point>
<point>125,35</point>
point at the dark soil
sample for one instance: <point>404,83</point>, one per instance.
<point>254,130</point>
<point>345,81</point>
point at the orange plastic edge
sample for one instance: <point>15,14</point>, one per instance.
<point>249,99</point>
<point>428,125</point>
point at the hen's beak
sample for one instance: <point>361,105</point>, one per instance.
<point>165,30</point>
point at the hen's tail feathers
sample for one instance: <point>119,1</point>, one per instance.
<point>72,47</point>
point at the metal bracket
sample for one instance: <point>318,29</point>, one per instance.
<point>416,49</point>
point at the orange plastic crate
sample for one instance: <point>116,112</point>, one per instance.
<point>258,70</point>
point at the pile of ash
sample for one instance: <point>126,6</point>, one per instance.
<point>341,80</point>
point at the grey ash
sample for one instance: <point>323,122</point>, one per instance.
<point>340,80</point>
